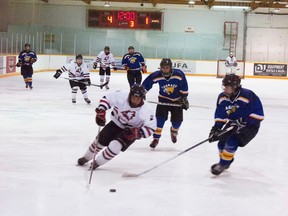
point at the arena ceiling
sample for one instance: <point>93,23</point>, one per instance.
<point>208,3</point>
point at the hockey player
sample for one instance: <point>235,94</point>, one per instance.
<point>26,59</point>
<point>240,108</point>
<point>173,88</point>
<point>79,76</point>
<point>231,64</point>
<point>131,119</point>
<point>105,59</point>
<point>133,62</point>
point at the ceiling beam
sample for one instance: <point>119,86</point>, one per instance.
<point>154,2</point>
<point>254,4</point>
<point>87,1</point>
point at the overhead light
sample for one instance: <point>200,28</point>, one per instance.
<point>224,7</point>
<point>191,2</point>
<point>106,4</point>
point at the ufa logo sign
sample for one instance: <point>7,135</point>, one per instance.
<point>10,64</point>
<point>185,66</point>
<point>180,65</point>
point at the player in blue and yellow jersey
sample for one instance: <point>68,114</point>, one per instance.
<point>173,88</point>
<point>240,108</point>
<point>26,59</point>
<point>134,63</point>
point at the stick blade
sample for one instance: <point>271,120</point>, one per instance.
<point>129,175</point>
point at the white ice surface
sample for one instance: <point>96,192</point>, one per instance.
<point>42,134</point>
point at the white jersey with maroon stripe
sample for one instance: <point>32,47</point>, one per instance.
<point>76,72</point>
<point>105,60</point>
<point>123,115</point>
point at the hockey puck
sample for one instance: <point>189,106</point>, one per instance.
<point>112,190</point>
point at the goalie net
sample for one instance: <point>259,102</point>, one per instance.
<point>222,70</point>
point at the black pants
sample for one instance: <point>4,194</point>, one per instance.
<point>112,132</point>
<point>27,70</point>
<point>80,84</point>
<point>134,76</point>
<point>244,135</point>
<point>107,71</point>
<point>176,113</point>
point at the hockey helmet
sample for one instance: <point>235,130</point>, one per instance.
<point>79,56</point>
<point>27,45</point>
<point>166,62</point>
<point>107,50</point>
<point>232,80</point>
<point>137,91</point>
<point>131,47</point>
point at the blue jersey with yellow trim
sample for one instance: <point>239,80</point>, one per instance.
<point>246,106</point>
<point>26,57</point>
<point>171,89</point>
<point>133,61</point>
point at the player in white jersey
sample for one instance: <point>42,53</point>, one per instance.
<point>231,64</point>
<point>79,76</point>
<point>105,59</point>
<point>131,119</point>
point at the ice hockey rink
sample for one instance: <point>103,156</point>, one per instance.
<point>43,134</point>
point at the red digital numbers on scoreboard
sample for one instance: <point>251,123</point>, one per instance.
<point>125,19</point>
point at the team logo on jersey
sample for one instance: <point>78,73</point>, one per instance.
<point>231,109</point>
<point>133,60</point>
<point>78,71</point>
<point>106,58</point>
<point>128,115</point>
<point>27,58</point>
<point>169,88</point>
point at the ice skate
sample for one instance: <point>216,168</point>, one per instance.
<point>154,143</point>
<point>82,161</point>
<point>87,100</point>
<point>94,165</point>
<point>173,135</point>
<point>217,169</point>
<point>73,100</point>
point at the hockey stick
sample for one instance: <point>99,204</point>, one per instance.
<point>175,105</point>
<point>101,86</point>
<point>94,156</point>
<point>166,161</point>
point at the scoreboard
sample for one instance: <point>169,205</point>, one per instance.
<point>124,19</point>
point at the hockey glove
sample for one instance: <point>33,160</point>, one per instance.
<point>238,124</point>
<point>57,74</point>
<point>94,65</point>
<point>88,82</point>
<point>213,135</point>
<point>132,134</point>
<point>18,64</point>
<point>33,60</point>
<point>100,117</point>
<point>184,103</point>
<point>144,69</point>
